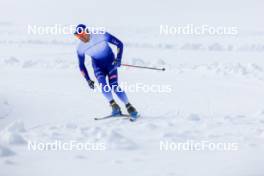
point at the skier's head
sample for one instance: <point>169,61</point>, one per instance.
<point>82,33</point>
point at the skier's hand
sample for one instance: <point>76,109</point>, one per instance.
<point>91,84</point>
<point>116,62</point>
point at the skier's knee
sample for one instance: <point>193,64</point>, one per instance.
<point>116,88</point>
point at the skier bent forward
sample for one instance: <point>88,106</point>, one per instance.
<point>105,64</point>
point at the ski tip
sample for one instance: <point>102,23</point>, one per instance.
<point>98,118</point>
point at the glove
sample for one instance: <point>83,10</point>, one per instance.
<point>91,84</point>
<point>117,62</point>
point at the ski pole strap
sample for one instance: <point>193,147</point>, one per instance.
<point>143,67</point>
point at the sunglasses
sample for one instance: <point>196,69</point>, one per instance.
<point>79,35</point>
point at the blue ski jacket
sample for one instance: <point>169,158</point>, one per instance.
<point>99,50</point>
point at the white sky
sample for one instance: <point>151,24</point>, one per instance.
<point>244,13</point>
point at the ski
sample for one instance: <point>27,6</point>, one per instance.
<point>111,116</point>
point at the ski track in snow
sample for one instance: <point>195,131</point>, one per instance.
<point>118,134</point>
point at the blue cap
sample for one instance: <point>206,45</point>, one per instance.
<point>80,28</point>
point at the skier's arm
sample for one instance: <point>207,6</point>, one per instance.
<point>115,41</point>
<point>82,67</point>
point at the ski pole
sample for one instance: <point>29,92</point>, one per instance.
<point>151,68</point>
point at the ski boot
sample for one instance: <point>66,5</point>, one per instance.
<point>116,110</point>
<point>132,112</point>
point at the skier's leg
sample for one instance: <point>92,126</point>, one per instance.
<point>113,82</point>
<point>106,90</point>
<point>100,75</point>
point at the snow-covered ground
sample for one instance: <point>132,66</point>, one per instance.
<point>216,96</point>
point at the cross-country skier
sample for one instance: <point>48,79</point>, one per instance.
<point>105,65</point>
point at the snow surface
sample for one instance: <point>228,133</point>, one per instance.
<point>217,95</point>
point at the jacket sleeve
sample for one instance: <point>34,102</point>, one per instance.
<point>82,67</point>
<point>115,41</point>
